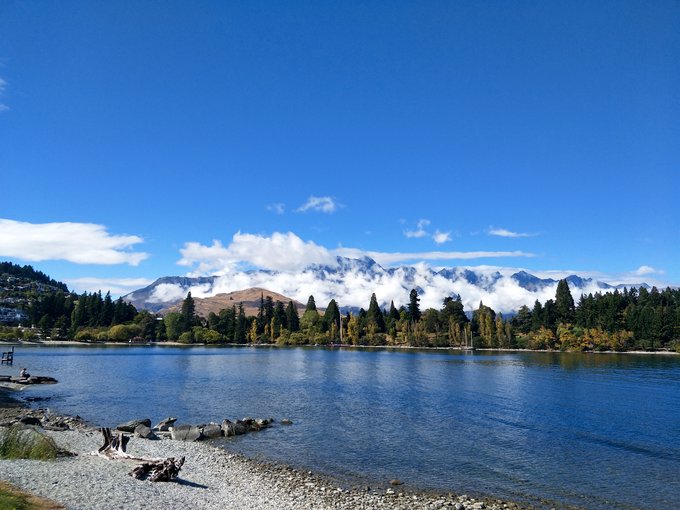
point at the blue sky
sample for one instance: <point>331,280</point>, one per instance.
<point>540,135</point>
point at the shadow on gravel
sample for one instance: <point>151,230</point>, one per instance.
<point>189,484</point>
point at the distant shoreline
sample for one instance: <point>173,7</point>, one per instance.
<point>57,343</point>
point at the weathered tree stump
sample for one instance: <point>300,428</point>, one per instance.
<point>114,446</point>
<point>159,471</point>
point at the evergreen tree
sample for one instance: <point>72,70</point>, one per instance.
<point>374,316</point>
<point>414,306</point>
<point>268,310</point>
<point>522,321</point>
<point>280,315</point>
<point>188,313</point>
<point>241,325</point>
<point>261,321</point>
<point>393,313</point>
<point>311,305</point>
<point>106,315</point>
<point>331,317</point>
<point>292,318</point>
<point>564,303</point>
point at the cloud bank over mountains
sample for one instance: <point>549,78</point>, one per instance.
<point>286,264</point>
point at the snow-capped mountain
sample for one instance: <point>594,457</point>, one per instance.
<point>352,281</point>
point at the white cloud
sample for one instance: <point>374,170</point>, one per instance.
<point>391,258</point>
<point>287,252</point>
<point>502,232</point>
<point>441,237</point>
<point>81,243</point>
<point>320,204</point>
<point>281,251</point>
<point>278,208</point>
<point>419,231</point>
<point>645,270</point>
<point>117,286</point>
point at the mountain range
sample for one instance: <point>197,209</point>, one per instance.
<point>351,282</point>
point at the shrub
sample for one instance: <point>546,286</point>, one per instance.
<point>17,442</point>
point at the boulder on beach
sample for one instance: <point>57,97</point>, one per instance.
<point>211,431</point>
<point>145,432</point>
<point>133,424</point>
<point>185,433</point>
<point>164,425</point>
<point>228,428</point>
<point>240,427</point>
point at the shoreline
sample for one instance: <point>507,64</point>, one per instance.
<point>212,478</point>
<point>74,343</point>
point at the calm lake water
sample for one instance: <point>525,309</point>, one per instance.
<point>589,430</point>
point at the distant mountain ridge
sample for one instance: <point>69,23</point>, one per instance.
<point>352,281</point>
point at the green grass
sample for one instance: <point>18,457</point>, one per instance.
<point>17,442</point>
<point>10,501</point>
<point>13,498</point>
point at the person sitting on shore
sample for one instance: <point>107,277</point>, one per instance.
<point>24,374</point>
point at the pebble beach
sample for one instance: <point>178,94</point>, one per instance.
<point>211,478</point>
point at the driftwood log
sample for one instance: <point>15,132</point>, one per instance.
<point>158,471</point>
<point>154,470</point>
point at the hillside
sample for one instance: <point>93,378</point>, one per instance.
<point>21,285</point>
<point>249,297</point>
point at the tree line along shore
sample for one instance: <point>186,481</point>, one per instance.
<point>631,319</point>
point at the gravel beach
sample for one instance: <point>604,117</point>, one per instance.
<point>211,478</point>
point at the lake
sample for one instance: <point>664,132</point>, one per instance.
<point>591,430</point>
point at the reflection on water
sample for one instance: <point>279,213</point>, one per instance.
<point>591,430</point>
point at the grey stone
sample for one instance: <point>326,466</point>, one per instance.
<point>286,421</point>
<point>211,431</point>
<point>132,425</point>
<point>240,427</point>
<point>185,433</point>
<point>228,428</point>
<point>165,425</point>
<point>145,432</point>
